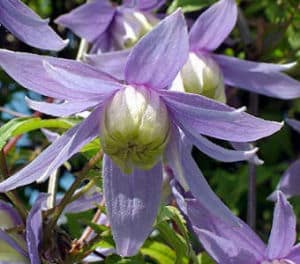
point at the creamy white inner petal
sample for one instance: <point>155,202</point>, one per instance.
<point>135,128</point>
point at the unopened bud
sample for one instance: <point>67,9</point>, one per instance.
<point>202,75</point>
<point>135,128</point>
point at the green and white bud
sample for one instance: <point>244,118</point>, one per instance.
<point>135,128</point>
<point>7,253</point>
<point>202,75</point>
<point>130,26</point>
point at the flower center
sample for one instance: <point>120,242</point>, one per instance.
<point>135,128</point>
<point>202,75</point>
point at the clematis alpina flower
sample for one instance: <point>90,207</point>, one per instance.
<point>289,183</point>
<point>228,244</point>
<point>110,27</point>
<point>27,26</point>
<point>132,187</point>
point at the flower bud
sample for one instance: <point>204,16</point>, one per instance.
<point>202,75</point>
<point>129,26</point>
<point>135,128</point>
<point>8,221</point>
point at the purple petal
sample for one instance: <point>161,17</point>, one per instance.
<point>112,63</point>
<point>294,254</point>
<point>144,5</point>
<point>13,214</point>
<point>90,20</point>
<point>247,147</point>
<point>294,124</point>
<point>224,250</point>
<point>283,234</point>
<point>34,225</point>
<point>158,56</point>
<point>289,183</point>
<point>132,202</point>
<point>213,26</point>
<point>56,154</point>
<point>28,26</point>
<point>11,242</point>
<point>181,162</point>
<point>63,109</point>
<point>242,127</point>
<point>217,152</point>
<point>258,78</point>
<point>30,71</point>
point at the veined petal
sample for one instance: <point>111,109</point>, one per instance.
<point>40,74</point>
<point>238,126</point>
<point>217,152</point>
<point>294,254</point>
<point>111,62</point>
<point>289,183</point>
<point>294,124</point>
<point>156,65</point>
<point>90,20</point>
<point>213,26</point>
<point>56,154</point>
<point>283,233</point>
<point>224,250</point>
<point>195,179</point>
<point>63,109</point>
<point>260,78</point>
<point>144,5</point>
<point>28,26</point>
<point>34,225</point>
<point>132,202</point>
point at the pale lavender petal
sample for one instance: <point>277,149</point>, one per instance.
<point>186,168</point>
<point>132,203</point>
<point>217,152</point>
<point>112,63</point>
<point>258,78</point>
<point>50,135</point>
<point>283,233</point>
<point>34,225</point>
<point>17,220</point>
<point>29,70</point>
<point>224,250</point>
<point>63,109</point>
<point>294,254</point>
<point>56,154</point>
<point>28,26</point>
<point>144,5</point>
<point>158,56</point>
<point>85,202</point>
<point>293,123</point>
<point>10,241</point>
<point>247,147</point>
<point>213,26</point>
<point>289,183</point>
<point>90,20</point>
<point>186,108</point>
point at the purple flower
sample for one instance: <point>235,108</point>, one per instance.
<point>28,26</point>
<point>111,27</point>
<point>228,244</point>
<point>289,183</point>
<point>132,186</point>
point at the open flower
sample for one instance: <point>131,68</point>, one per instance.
<point>228,244</point>
<point>110,27</point>
<point>23,23</point>
<point>132,186</point>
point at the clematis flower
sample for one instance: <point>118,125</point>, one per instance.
<point>228,244</point>
<point>289,183</point>
<point>110,27</point>
<point>27,26</point>
<point>132,165</point>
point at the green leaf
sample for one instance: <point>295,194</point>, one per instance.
<point>23,125</point>
<point>159,252</point>
<point>189,5</point>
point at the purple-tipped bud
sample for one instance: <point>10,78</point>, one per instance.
<point>201,75</point>
<point>135,128</point>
